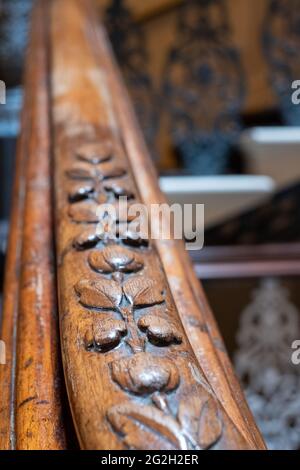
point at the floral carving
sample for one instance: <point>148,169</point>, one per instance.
<point>120,187</point>
<point>84,171</point>
<point>107,293</point>
<point>115,258</point>
<point>105,334</point>
<point>86,211</point>
<point>199,417</point>
<point>86,239</point>
<point>197,425</point>
<point>89,210</point>
<point>89,238</point>
<point>159,331</point>
<point>80,191</point>
<point>118,292</point>
<point>81,171</point>
<point>144,373</point>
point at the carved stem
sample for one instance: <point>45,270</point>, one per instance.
<point>136,343</point>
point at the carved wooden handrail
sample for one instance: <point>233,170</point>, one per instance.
<point>144,363</point>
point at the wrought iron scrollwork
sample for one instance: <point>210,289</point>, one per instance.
<point>281,39</point>
<point>129,44</point>
<point>204,86</point>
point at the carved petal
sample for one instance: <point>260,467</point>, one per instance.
<point>115,258</point>
<point>84,211</point>
<point>160,331</point>
<point>98,262</point>
<point>111,170</point>
<point>95,153</point>
<point>210,426</point>
<point>100,294</point>
<point>144,373</point>
<point>121,187</point>
<point>145,428</point>
<point>131,238</point>
<point>142,291</point>
<point>199,416</point>
<point>81,172</point>
<point>104,335</point>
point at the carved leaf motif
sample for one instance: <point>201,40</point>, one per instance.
<point>85,211</point>
<point>146,428</point>
<point>86,239</point>
<point>99,294</point>
<point>104,335</point>
<point>199,417</point>
<point>81,171</point>
<point>120,188</point>
<point>111,170</point>
<point>145,373</point>
<point>95,153</point>
<point>78,192</point>
<point>210,427</point>
<point>131,237</point>
<point>115,258</point>
<point>142,291</point>
<point>159,331</point>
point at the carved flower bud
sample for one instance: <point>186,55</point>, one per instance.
<point>144,373</point>
<point>115,258</point>
<point>105,334</point>
<point>160,332</point>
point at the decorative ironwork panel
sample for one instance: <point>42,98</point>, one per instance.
<point>281,40</point>
<point>269,325</point>
<point>204,86</point>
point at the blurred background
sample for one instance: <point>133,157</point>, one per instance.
<point>211,82</point>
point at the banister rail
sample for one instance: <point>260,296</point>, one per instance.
<point>144,363</point>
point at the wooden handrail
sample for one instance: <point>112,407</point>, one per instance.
<point>144,363</point>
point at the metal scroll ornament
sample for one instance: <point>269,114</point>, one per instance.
<point>282,44</point>
<point>269,325</point>
<point>204,87</point>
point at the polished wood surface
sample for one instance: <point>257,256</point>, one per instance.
<point>144,363</point>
